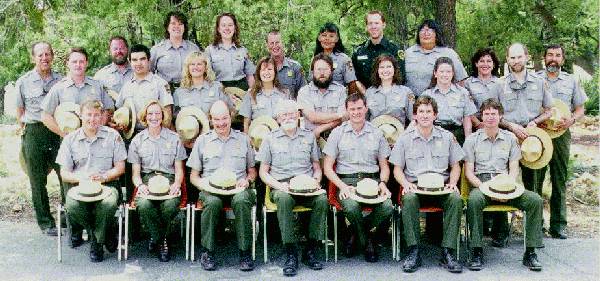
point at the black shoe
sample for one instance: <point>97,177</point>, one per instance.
<point>246,262</point>
<point>207,261</point>
<point>164,254</point>
<point>50,231</point>
<point>111,241</point>
<point>96,252</point>
<point>76,240</point>
<point>290,267</point>
<point>476,263</point>
<point>412,261</point>
<point>349,246</point>
<point>370,252</point>
<point>530,260</point>
<point>309,259</point>
<point>499,242</point>
<point>152,246</point>
<point>449,262</point>
<point>558,234</point>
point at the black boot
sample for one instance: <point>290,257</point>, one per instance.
<point>530,260</point>
<point>96,251</point>
<point>164,255</point>
<point>309,258</point>
<point>246,262</point>
<point>412,261</point>
<point>370,249</point>
<point>152,246</point>
<point>111,241</point>
<point>290,266</point>
<point>476,263</point>
<point>449,262</point>
<point>76,239</point>
<point>349,246</point>
<point>207,260</point>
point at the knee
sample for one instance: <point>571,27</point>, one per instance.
<point>410,200</point>
<point>144,204</point>
<point>284,200</point>
<point>350,206</point>
<point>321,202</point>
<point>475,200</point>
<point>241,199</point>
<point>455,200</point>
<point>387,207</point>
<point>213,204</point>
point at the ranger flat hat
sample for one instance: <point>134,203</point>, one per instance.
<point>67,116</point>
<point>222,181</point>
<point>125,117</point>
<point>390,126</point>
<point>305,185</point>
<point>191,122</point>
<point>431,184</point>
<point>536,149</point>
<point>503,187</point>
<point>367,191</point>
<point>89,191</point>
<point>158,188</point>
<point>560,110</point>
<point>260,128</point>
<point>237,92</point>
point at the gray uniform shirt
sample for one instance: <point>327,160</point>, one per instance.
<point>230,64</point>
<point>66,91</point>
<point>356,152</point>
<point>481,91</point>
<point>112,78</point>
<point>291,77</point>
<point>211,153</point>
<point>264,104</point>
<point>491,156</point>
<point>333,100</point>
<point>397,102</point>
<point>156,154</point>
<point>565,88</point>
<point>419,66</point>
<point>167,61</point>
<point>152,87</point>
<point>289,156</point>
<point>77,153</point>
<point>418,155</point>
<point>524,102</point>
<point>453,106</point>
<point>31,91</point>
<point>202,97</point>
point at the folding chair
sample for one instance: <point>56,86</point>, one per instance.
<point>270,207</point>
<point>183,206</point>
<point>337,207</point>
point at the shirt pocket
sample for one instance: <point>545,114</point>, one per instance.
<point>510,103</point>
<point>301,154</point>
<point>280,155</point>
<point>80,158</point>
<point>167,157</point>
<point>102,159</point>
<point>146,154</point>
<point>238,160</point>
<point>534,102</point>
<point>34,95</point>
<point>501,158</point>
<point>441,157</point>
<point>348,152</point>
<point>218,63</point>
<point>414,159</point>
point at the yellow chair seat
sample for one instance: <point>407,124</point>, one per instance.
<point>500,208</point>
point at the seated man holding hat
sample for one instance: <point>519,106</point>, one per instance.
<point>359,151</point>
<point>222,163</point>
<point>290,165</point>
<point>93,157</point>
<point>156,155</point>
<point>427,166</point>
<point>491,166</point>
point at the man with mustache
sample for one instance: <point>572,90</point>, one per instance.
<point>118,71</point>
<point>322,101</point>
<point>289,71</point>
<point>564,87</point>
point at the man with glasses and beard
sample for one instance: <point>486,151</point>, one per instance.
<point>322,101</point>
<point>564,87</point>
<point>113,75</point>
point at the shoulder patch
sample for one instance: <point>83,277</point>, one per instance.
<point>349,65</point>
<point>411,97</point>
<point>400,54</point>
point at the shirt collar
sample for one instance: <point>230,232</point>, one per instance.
<point>100,134</point>
<point>435,133</point>
<point>499,136</point>
<point>213,135</point>
<point>367,128</point>
<point>221,46</point>
<point>37,76</point>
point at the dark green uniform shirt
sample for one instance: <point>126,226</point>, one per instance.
<point>365,54</point>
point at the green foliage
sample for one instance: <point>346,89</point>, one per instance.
<point>592,106</point>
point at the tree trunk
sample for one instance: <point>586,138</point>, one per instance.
<point>446,16</point>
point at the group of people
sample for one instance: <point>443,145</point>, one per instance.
<point>184,120</point>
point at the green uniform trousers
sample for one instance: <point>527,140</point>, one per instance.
<point>285,204</point>
<point>241,203</point>
<point>558,177</point>
<point>529,202</point>
<point>96,217</point>
<point>452,205</point>
<point>39,148</point>
<point>156,215</point>
<point>380,213</point>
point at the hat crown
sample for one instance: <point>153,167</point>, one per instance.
<point>430,180</point>
<point>122,116</point>
<point>303,182</point>
<point>367,187</point>
<point>503,182</point>
<point>158,185</point>
<point>188,128</point>
<point>532,148</point>
<point>223,178</point>
<point>89,188</point>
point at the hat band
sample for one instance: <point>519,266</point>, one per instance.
<point>430,189</point>
<point>501,191</point>
<point>367,196</point>
<point>303,190</point>
<point>221,187</point>
<point>90,194</point>
<point>158,193</point>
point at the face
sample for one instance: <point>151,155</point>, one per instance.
<point>154,116</point>
<point>118,52</point>
<point>491,117</point>
<point>42,57</point>
<point>485,65</point>
<point>274,44</point>
<point>444,74</point>
<point>267,72</point>
<point>197,68</point>
<point>77,64</point>
<point>554,57</point>
<point>375,26</point>
<point>91,118</point>
<point>427,35</point>
<point>357,111</point>
<point>386,70</point>
<point>226,27</point>
<point>322,70</point>
<point>175,28</point>
<point>516,58</point>
<point>221,123</point>
<point>139,62</point>
<point>328,40</point>
<point>288,120</point>
<point>425,116</point>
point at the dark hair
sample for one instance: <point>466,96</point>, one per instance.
<point>258,85</point>
<point>354,97</point>
<point>80,50</point>
<point>482,53</point>
<point>321,56</point>
<point>236,34</point>
<point>139,48</point>
<point>330,27</point>
<point>376,80</point>
<point>425,100</point>
<point>180,17</point>
<point>41,43</point>
<point>438,62</point>
<point>439,37</point>
<point>375,12</point>
<point>491,104</point>
<point>117,37</point>
<point>554,46</point>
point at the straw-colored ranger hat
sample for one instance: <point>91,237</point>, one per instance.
<point>367,191</point>
<point>67,116</point>
<point>89,191</point>
<point>305,185</point>
<point>431,184</point>
<point>560,110</point>
<point>191,122</point>
<point>235,91</point>
<point>260,128</point>
<point>502,187</point>
<point>536,149</point>
<point>158,188</point>
<point>391,127</point>
<point>222,181</point>
<point>126,117</point>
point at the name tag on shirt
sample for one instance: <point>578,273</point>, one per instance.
<point>290,73</point>
<point>362,57</point>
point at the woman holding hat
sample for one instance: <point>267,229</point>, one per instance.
<point>264,94</point>
<point>157,153</point>
<point>90,156</point>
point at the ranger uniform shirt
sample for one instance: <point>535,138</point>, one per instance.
<point>491,156</point>
<point>481,91</point>
<point>291,77</point>
<point>167,61</point>
<point>565,88</point>
<point>264,105</point>
<point>289,156</point>
<point>31,90</point>
<point>343,70</point>
<point>202,97</point>
<point>524,102</point>
<point>112,78</point>
<point>396,101</point>
<point>156,154</point>
<point>141,92</point>
<point>332,101</point>
<point>366,53</point>
<point>66,91</point>
<point>419,66</point>
<point>453,106</point>
<point>230,64</point>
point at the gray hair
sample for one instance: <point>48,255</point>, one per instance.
<point>285,106</point>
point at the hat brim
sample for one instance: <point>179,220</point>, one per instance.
<point>205,186</point>
<point>196,113</point>
<point>133,116</point>
<point>160,198</point>
<point>316,192</point>
<point>388,119</point>
<point>377,200</point>
<point>546,153</point>
<point>565,111</point>
<point>485,189</point>
<point>261,121</point>
<point>106,191</point>
<point>440,192</point>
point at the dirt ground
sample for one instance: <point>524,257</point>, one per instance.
<point>582,195</point>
